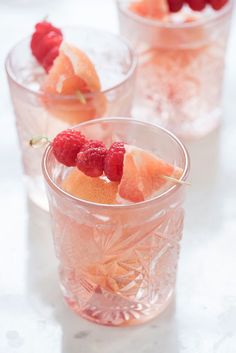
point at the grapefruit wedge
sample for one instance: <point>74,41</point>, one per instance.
<point>144,174</point>
<point>150,8</point>
<point>73,74</point>
<point>90,189</point>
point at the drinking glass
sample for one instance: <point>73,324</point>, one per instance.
<point>38,114</point>
<point>117,263</point>
<point>181,68</point>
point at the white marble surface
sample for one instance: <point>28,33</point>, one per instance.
<point>33,318</point>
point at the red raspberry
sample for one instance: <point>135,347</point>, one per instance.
<point>113,166</point>
<point>217,4</point>
<point>175,5</point>
<point>197,5</point>
<point>49,58</point>
<point>45,38</point>
<point>46,27</point>
<point>49,41</point>
<point>90,160</point>
<point>93,144</point>
<point>66,145</point>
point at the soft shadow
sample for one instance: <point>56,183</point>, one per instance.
<point>79,336</point>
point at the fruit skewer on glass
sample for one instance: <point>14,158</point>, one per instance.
<point>116,189</point>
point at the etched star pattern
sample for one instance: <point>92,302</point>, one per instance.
<point>115,271</point>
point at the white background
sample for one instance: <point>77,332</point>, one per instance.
<point>33,318</point>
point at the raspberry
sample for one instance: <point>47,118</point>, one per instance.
<point>197,5</point>
<point>49,41</point>
<point>217,4</point>
<point>46,39</point>
<point>46,27</point>
<point>175,5</point>
<point>113,166</point>
<point>90,160</point>
<point>49,58</point>
<point>66,145</point>
<point>93,144</point>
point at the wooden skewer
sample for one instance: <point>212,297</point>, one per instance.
<point>39,141</point>
<point>177,181</point>
<point>81,97</point>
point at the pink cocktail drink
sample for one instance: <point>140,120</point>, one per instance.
<point>117,259</point>
<point>43,106</point>
<point>181,65</point>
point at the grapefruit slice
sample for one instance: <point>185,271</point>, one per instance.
<point>72,71</point>
<point>90,189</point>
<point>73,74</point>
<point>144,174</point>
<point>150,8</point>
<point>73,111</point>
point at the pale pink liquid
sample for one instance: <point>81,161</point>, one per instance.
<point>118,264</point>
<point>119,273</point>
<point>115,64</point>
<point>181,67</point>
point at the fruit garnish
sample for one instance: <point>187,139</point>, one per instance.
<point>90,159</point>
<point>175,5</point>
<point>159,9</point>
<point>144,174</point>
<point>113,165</point>
<point>45,43</point>
<point>197,5</point>
<point>217,4</point>
<point>90,189</point>
<point>72,72</point>
<point>140,173</point>
<point>66,145</point>
<point>150,8</point>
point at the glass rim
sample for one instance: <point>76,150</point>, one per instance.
<point>157,23</point>
<point>131,70</point>
<point>84,203</point>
